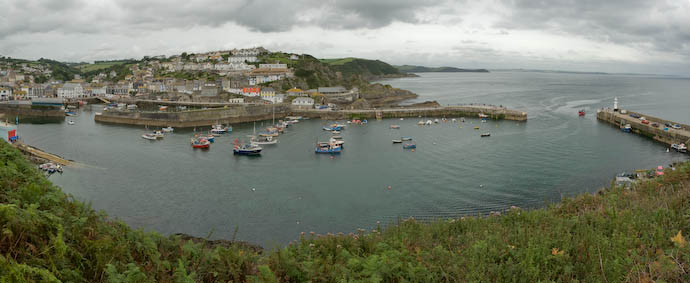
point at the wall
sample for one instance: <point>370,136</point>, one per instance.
<point>658,134</point>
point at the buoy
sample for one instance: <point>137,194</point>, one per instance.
<point>481,186</point>
<point>297,222</point>
<point>332,157</point>
<point>389,188</point>
<point>253,189</point>
<point>412,150</point>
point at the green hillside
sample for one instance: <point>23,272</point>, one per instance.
<point>363,67</point>
<point>620,234</point>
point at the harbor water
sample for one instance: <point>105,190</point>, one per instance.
<point>168,187</point>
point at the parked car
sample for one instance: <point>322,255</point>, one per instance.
<point>655,125</point>
<point>676,126</point>
<point>635,115</point>
<point>645,121</point>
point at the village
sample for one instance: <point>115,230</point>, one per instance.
<point>238,76</point>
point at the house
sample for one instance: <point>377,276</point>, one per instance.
<point>263,75</point>
<point>116,89</point>
<point>267,92</point>
<point>294,57</point>
<point>33,91</point>
<point>296,92</point>
<point>70,90</point>
<point>236,100</point>
<point>98,90</point>
<point>273,66</point>
<point>337,94</point>
<point>242,59</point>
<point>332,90</point>
<point>209,89</point>
<point>251,91</point>
<point>5,93</point>
<point>303,102</point>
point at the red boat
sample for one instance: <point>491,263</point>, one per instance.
<point>581,113</point>
<point>200,143</point>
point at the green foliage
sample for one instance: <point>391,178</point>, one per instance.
<point>61,71</point>
<point>619,234</point>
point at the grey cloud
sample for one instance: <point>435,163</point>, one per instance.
<point>637,23</point>
<point>126,16</point>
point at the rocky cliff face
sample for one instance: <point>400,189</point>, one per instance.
<point>310,73</point>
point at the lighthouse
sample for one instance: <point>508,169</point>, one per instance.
<point>615,104</point>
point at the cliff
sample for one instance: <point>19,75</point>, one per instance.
<point>422,69</point>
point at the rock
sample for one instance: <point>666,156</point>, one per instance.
<point>212,244</point>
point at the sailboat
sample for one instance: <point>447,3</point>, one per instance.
<point>261,140</point>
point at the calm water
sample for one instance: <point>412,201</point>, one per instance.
<point>168,187</point>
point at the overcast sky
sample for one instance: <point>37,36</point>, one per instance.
<point>642,36</point>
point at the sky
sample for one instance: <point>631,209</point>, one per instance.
<point>623,36</point>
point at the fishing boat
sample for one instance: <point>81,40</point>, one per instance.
<point>247,149</point>
<point>332,128</point>
<point>335,132</point>
<point>364,121</point>
<point>483,120</point>
<point>397,141</point>
<point>485,135</point>
<point>406,138</point>
<point>409,145</point>
<point>168,129</point>
<point>476,127</point>
<point>149,136</point>
<point>680,147</point>
<point>210,137</point>
<point>581,113</point>
<point>200,142</point>
<point>329,148</point>
<point>219,129</point>
<point>337,140</point>
<point>158,134</point>
<point>421,122</point>
<point>395,126</point>
<point>627,128</point>
<point>51,167</point>
<point>428,122</point>
<point>263,140</point>
<point>436,121</point>
<point>70,122</point>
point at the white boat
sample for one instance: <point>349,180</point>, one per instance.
<point>454,120</point>
<point>429,122</point>
<point>337,140</point>
<point>401,119</point>
<point>149,137</point>
<point>262,140</point>
<point>219,129</point>
<point>70,122</point>
<point>158,134</point>
<point>168,129</point>
<point>421,122</point>
<point>397,141</point>
<point>436,121</point>
<point>335,132</point>
<point>680,147</point>
<point>131,107</point>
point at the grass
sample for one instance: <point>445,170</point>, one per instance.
<point>98,66</point>
<point>338,61</point>
<point>619,234</point>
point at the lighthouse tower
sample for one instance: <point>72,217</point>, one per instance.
<point>615,104</point>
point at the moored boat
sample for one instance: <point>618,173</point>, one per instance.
<point>476,127</point>
<point>395,126</point>
<point>70,122</point>
<point>581,113</point>
<point>627,128</point>
<point>149,137</point>
<point>326,147</point>
<point>409,145</point>
<point>485,135</point>
<point>168,129</point>
<point>220,129</point>
<point>397,141</point>
<point>405,138</point>
<point>262,140</point>
<point>200,142</point>
<point>337,140</point>
<point>680,147</point>
<point>247,149</point>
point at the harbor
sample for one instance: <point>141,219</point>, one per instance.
<point>670,133</point>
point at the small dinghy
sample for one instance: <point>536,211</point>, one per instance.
<point>397,141</point>
<point>485,135</point>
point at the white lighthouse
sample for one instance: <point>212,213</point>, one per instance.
<point>615,104</point>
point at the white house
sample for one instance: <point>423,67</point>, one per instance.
<point>5,93</point>
<point>70,90</point>
<point>273,66</point>
<point>294,57</point>
<point>242,59</point>
<point>303,101</point>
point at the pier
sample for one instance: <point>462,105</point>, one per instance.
<point>670,136</point>
<point>492,112</point>
<point>42,155</point>
<point>250,113</point>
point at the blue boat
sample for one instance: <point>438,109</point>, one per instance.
<point>409,145</point>
<point>247,149</point>
<point>329,148</point>
<point>627,128</point>
<point>336,128</point>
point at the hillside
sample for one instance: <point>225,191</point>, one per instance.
<point>619,234</point>
<point>422,69</point>
<point>312,73</point>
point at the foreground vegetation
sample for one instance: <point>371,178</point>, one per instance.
<point>635,234</point>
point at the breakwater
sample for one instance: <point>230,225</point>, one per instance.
<point>492,112</point>
<point>194,118</point>
<point>250,113</point>
<point>661,133</point>
<point>28,110</point>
